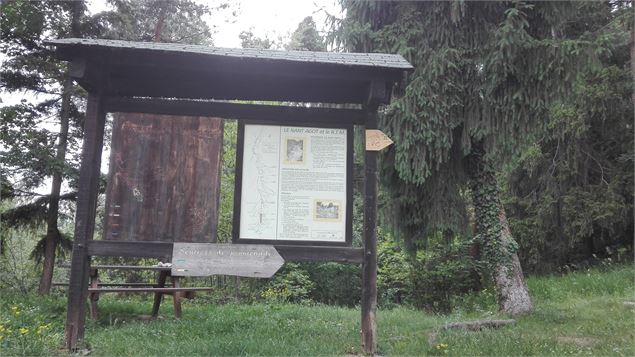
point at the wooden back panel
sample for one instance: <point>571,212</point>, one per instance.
<point>164,178</point>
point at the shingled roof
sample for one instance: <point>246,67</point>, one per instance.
<point>348,59</point>
<point>150,69</point>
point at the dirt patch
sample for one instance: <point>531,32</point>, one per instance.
<point>579,341</point>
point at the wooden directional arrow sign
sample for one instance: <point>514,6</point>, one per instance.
<point>376,140</point>
<point>205,259</point>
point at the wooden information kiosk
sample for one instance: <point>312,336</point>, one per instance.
<point>283,148</point>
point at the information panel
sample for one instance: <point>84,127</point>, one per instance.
<point>294,183</point>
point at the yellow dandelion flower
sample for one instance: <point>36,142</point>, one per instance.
<point>442,346</point>
<point>24,330</point>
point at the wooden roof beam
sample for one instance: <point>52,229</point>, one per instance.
<point>252,112</point>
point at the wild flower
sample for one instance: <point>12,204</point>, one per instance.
<point>442,346</point>
<point>24,330</point>
<point>42,328</point>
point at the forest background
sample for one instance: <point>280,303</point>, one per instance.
<point>518,109</point>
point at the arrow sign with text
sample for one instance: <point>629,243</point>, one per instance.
<point>376,140</point>
<point>205,259</point>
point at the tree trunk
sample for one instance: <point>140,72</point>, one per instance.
<point>495,237</point>
<point>513,295</point>
<point>633,62</point>
<point>448,236</point>
<point>52,231</point>
<point>158,29</point>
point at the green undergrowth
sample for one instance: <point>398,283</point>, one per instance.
<point>582,313</point>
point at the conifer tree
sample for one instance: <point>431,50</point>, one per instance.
<point>485,75</point>
<point>34,153</point>
<point>569,193</point>
<point>249,40</point>
<point>179,21</point>
<point>306,37</point>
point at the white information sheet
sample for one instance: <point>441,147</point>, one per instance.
<point>294,183</point>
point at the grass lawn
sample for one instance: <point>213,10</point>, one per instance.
<point>579,314</point>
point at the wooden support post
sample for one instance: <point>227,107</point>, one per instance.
<point>369,265</point>
<point>176,297</point>
<point>94,296</point>
<point>158,295</point>
<point>84,219</point>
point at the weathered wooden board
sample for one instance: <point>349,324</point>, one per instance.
<point>163,250</point>
<point>164,178</point>
<point>249,260</point>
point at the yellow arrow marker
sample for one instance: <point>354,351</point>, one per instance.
<point>376,140</point>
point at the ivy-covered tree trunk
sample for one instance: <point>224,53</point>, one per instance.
<point>513,295</point>
<point>52,232</point>
<point>498,249</point>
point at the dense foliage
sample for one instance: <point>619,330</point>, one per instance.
<point>157,20</point>
<point>31,68</point>
<point>27,137</point>
<point>529,101</point>
<point>570,193</point>
<point>306,37</point>
<point>490,79</point>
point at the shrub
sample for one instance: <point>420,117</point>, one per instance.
<point>336,283</point>
<point>17,271</point>
<point>394,277</point>
<point>293,284</point>
<point>441,273</point>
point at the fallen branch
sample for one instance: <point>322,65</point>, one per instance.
<point>478,324</point>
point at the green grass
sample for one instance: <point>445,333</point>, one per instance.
<point>579,314</point>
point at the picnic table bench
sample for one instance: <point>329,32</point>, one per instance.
<point>159,288</point>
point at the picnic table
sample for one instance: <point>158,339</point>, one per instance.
<point>96,287</point>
